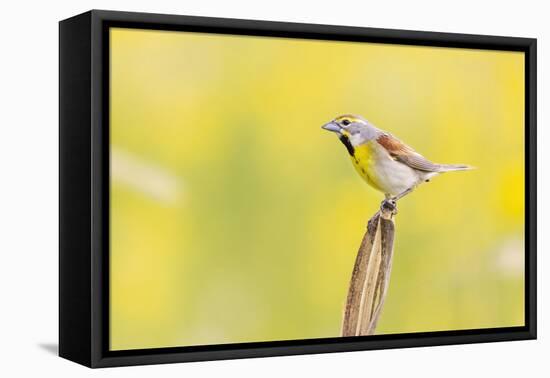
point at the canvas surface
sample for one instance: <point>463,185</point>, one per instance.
<point>235,218</point>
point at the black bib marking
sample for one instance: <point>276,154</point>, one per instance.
<point>344,139</point>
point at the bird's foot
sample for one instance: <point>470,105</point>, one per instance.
<point>389,204</point>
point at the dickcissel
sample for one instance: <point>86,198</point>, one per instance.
<point>383,161</point>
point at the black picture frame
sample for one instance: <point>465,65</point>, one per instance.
<point>84,188</point>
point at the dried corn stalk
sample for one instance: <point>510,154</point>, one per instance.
<point>371,275</point>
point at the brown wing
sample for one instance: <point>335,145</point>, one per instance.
<point>405,154</point>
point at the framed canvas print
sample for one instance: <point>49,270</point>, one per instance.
<point>234,188</point>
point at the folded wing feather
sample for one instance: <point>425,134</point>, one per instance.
<point>405,154</point>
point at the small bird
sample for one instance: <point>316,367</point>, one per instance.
<point>383,161</point>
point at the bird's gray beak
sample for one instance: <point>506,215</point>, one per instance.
<point>332,126</point>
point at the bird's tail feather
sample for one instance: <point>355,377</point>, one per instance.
<point>454,167</point>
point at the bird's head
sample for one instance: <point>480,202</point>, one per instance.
<point>352,130</point>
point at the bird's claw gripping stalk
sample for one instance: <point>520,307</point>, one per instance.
<point>389,205</point>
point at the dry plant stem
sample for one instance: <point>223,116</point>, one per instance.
<point>370,276</point>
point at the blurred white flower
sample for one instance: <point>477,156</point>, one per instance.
<point>145,177</point>
<point>510,258</point>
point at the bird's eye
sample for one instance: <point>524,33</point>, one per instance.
<point>346,122</point>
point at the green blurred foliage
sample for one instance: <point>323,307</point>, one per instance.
<point>235,218</point>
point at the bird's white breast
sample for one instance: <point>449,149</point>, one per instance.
<point>384,173</point>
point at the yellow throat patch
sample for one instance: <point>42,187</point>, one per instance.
<point>363,159</point>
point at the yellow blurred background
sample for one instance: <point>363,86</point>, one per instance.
<point>235,218</point>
